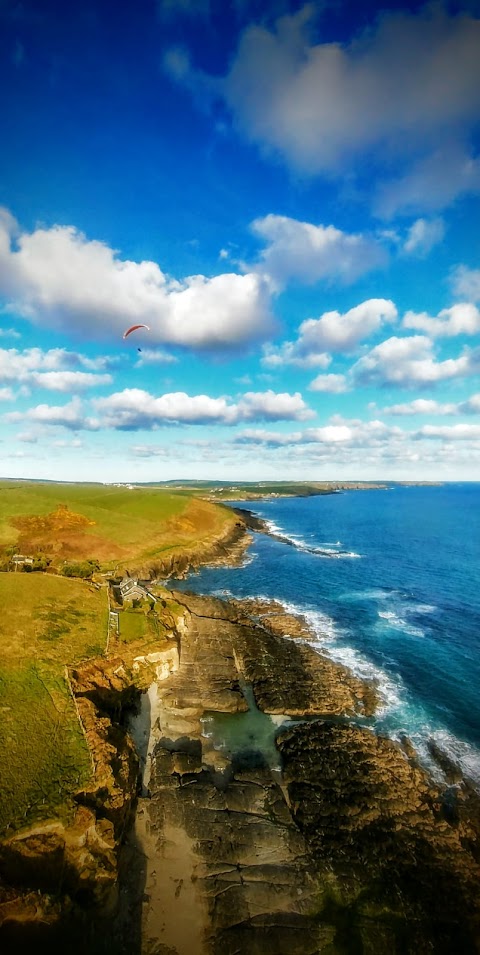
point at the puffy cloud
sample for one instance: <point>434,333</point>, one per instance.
<point>68,381</point>
<point>268,405</point>
<point>410,361</point>
<point>342,333</point>
<point>6,394</point>
<point>58,278</point>
<point>67,416</point>
<point>408,80</point>
<point>307,253</point>
<point>466,283</point>
<point>427,406</point>
<point>53,370</point>
<point>460,319</point>
<point>421,406</point>
<point>432,182</point>
<point>333,331</point>
<point>333,384</point>
<point>423,234</point>
<point>134,409</point>
<point>339,431</point>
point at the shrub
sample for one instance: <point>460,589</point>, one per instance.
<point>83,568</point>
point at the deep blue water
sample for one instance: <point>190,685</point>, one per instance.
<point>405,611</point>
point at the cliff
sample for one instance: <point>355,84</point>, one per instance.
<point>295,832</point>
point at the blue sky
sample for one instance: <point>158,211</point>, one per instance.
<point>287,194</point>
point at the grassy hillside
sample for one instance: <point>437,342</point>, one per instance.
<point>110,524</point>
<point>46,622</point>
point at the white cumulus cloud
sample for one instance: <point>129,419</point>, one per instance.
<point>271,406</point>
<point>134,409</point>
<point>421,406</point>
<point>332,332</point>
<point>428,406</point>
<point>411,361</point>
<point>60,279</point>
<point>333,384</point>
<point>54,370</point>
<point>338,432</point>
<point>69,416</point>
<point>460,319</point>
<point>308,253</point>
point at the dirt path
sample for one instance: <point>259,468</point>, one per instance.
<point>173,914</point>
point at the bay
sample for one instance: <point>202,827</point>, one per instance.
<point>390,581</point>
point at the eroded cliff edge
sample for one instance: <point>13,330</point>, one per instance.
<point>337,844</point>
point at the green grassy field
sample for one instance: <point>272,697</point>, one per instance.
<point>46,622</point>
<point>133,626</point>
<point>110,524</point>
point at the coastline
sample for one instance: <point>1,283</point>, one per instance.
<point>235,658</point>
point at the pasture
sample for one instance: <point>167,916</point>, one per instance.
<point>113,525</point>
<point>46,623</point>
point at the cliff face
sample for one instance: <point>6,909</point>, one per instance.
<point>228,548</point>
<point>70,867</point>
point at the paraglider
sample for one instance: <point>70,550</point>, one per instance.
<point>133,328</point>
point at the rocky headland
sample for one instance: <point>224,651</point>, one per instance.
<point>242,804</point>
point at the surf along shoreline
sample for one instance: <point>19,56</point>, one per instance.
<point>344,799</point>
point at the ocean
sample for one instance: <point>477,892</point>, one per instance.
<point>390,582</point>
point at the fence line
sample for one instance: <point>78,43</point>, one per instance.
<point>67,678</point>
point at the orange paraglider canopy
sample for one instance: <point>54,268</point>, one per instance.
<point>133,328</point>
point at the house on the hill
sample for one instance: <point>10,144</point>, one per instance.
<point>20,560</point>
<point>130,589</point>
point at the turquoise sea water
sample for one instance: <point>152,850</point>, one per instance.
<point>390,581</point>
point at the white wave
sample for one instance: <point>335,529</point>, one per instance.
<point>320,550</point>
<point>325,641</point>
<point>424,608</point>
<point>374,594</point>
<point>274,528</point>
<point>399,623</point>
<point>463,755</point>
<point>249,557</point>
<point>327,551</point>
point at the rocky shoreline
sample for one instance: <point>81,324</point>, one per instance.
<point>227,548</point>
<point>340,843</point>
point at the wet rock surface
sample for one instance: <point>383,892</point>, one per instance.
<point>346,850</point>
<point>404,876</point>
